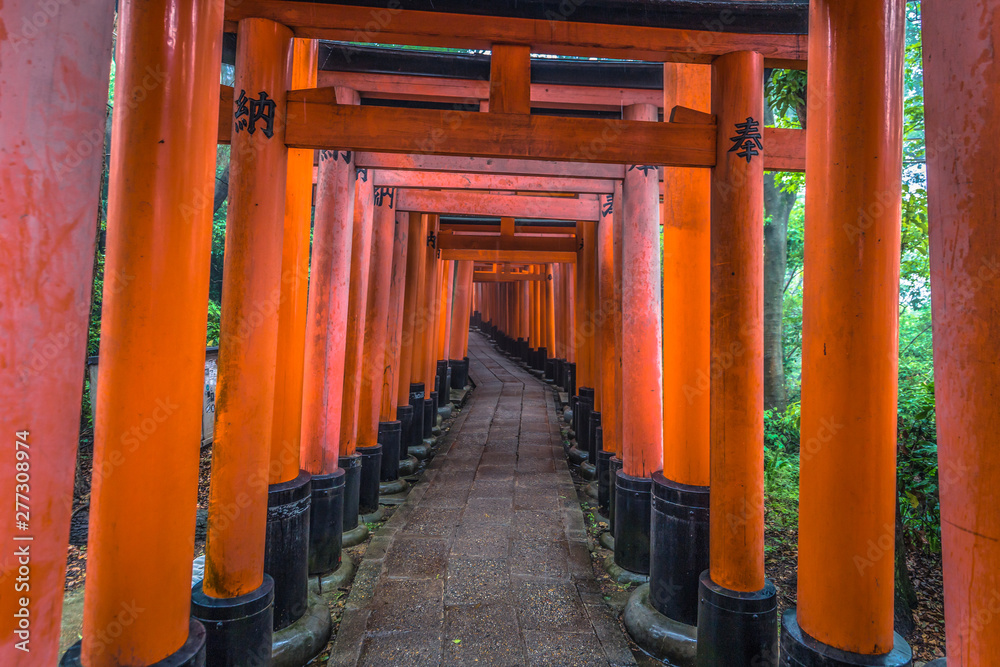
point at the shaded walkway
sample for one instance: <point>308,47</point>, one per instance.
<point>487,562</point>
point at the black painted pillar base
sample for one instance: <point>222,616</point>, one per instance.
<point>352,489</point>
<point>616,466</point>
<point>543,354</point>
<point>190,654</point>
<point>571,379</point>
<point>286,547</point>
<point>737,629</point>
<point>435,404</point>
<point>371,470</point>
<point>459,373</point>
<point>592,445</point>
<point>238,631</point>
<point>441,379</point>
<point>581,415</point>
<point>678,548</point>
<point>632,510</point>
<point>326,522</point>
<point>389,436</point>
<point>604,479</point>
<point>417,425</point>
<point>430,415</point>
<point>404,413</point>
<point>559,369</point>
<point>550,370</point>
<point>800,650</point>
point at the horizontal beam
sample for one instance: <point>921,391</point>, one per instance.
<point>501,182</point>
<point>784,150</point>
<point>315,120</point>
<point>510,256</point>
<point>490,277</point>
<point>450,241</point>
<point>471,91</point>
<point>495,229</point>
<point>543,35</point>
<point>587,207</point>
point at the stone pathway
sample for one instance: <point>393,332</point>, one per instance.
<point>487,561</point>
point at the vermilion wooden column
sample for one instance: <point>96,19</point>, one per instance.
<point>48,226</point>
<point>394,326</point>
<point>736,617</point>
<point>419,324</point>
<point>287,426</point>
<point>377,318</point>
<point>850,331</point>
<point>458,344</point>
<point>610,398</point>
<point>619,232</point>
<point>679,531</point>
<point>326,322</point>
<point>148,393</point>
<point>447,294</point>
<point>364,211</point>
<point>412,351</point>
<point>248,348</point>
<point>642,365</point>
<point>237,512</point>
<point>962,82</point>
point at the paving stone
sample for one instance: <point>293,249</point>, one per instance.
<point>539,525</point>
<point>550,605</point>
<point>539,558</point>
<point>417,557</point>
<point>413,649</point>
<point>433,521</point>
<point>477,580</point>
<point>560,649</point>
<point>407,604</point>
<point>486,634</point>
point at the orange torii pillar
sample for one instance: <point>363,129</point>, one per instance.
<point>642,366</point>
<point>322,386</point>
<point>737,619</point>
<point>412,350</point>
<point>679,531</point>
<point>962,112</point>
<point>583,336</point>
<point>235,598</point>
<point>549,315</point>
<point>54,116</point>
<point>432,310</point>
<point>446,289</point>
<point>147,432</point>
<point>559,305</point>
<point>569,278</point>
<point>618,224</point>
<point>390,409</point>
<point>850,339</point>
<point>286,552</point>
<point>610,415</point>
<point>457,346</point>
<point>361,467</point>
<point>373,432</point>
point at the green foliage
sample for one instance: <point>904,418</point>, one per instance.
<point>781,465</point>
<point>917,466</point>
<point>214,320</point>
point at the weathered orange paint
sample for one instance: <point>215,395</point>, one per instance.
<point>610,401</point>
<point>376,357</point>
<point>444,320</point>
<point>286,428</point>
<point>326,323</point>
<point>962,79</point>
<point>432,306</point>
<point>463,302</point>
<point>364,211</point>
<point>411,350</point>
<point>550,311</point>
<point>686,295</point>
<point>619,232</point>
<point>571,315</point>
<point>737,310</point>
<point>642,365</point>
<point>53,106</point>
<point>251,285</point>
<point>850,324</point>
<point>394,325</point>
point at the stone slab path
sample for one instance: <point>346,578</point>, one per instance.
<point>487,561</point>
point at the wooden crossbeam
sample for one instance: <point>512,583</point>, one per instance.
<point>315,120</point>
<point>511,256</point>
<point>453,241</point>
<point>586,207</point>
<point>784,149</point>
<point>420,28</point>
<point>500,182</point>
<point>419,88</point>
<point>495,229</point>
<point>504,277</point>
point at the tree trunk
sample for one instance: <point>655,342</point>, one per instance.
<point>221,186</point>
<point>777,208</point>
